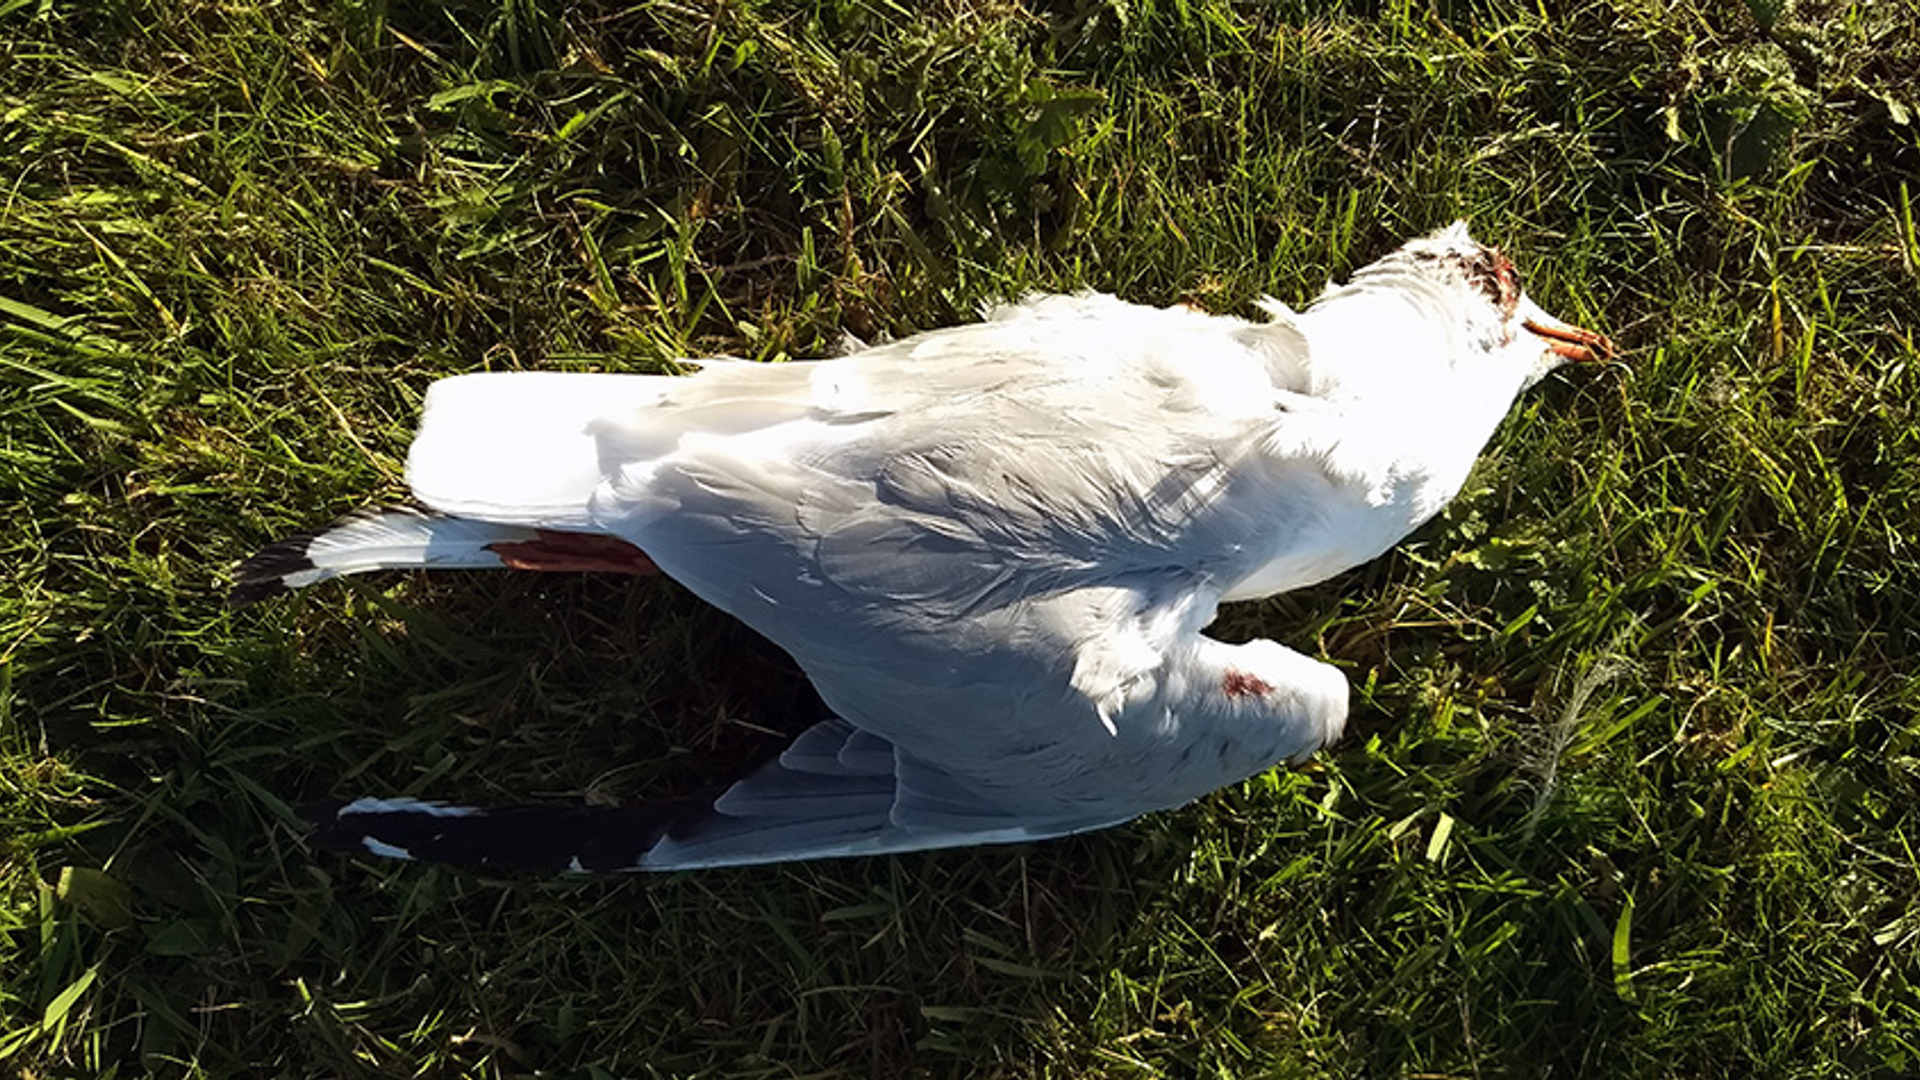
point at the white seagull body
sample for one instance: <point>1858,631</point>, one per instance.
<point>992,548</point>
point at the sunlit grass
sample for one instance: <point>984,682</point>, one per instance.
<point>1627,788</point>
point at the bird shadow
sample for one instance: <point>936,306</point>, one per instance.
<point>494,689</point>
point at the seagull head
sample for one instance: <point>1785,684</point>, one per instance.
<point>1476,289</point>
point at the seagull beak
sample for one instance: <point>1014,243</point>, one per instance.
<point>1569,342</point>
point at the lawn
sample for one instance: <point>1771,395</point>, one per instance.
<point>1629,785</point>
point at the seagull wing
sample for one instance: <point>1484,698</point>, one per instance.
<point>1206,715</point>
<point>943,475</point>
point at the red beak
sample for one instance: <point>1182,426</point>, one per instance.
<point>1571,342</point>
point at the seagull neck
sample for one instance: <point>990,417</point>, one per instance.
<point>1399,339</point>
<point>1369,345</point>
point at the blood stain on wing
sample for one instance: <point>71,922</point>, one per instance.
<point>1242,684</point>
<point>574,552</point>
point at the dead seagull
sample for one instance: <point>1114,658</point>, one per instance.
<point>992,548</point>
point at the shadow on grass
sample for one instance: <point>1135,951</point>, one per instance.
<point>1300,915</point>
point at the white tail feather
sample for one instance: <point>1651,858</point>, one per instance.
<point>516,446</point>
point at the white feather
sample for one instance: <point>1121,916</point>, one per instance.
<point>517,447</point>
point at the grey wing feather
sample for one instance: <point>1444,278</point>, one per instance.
<point>840,791</point>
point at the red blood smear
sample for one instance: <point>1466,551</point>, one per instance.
<point>1241,684</point>
<point>574,552</point>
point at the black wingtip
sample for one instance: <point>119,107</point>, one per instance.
<point>265,574</point>
<point>545,838</point>
<point>248,593</point>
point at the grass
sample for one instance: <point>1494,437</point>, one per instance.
<point>1629,786</point>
